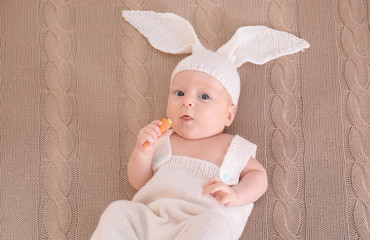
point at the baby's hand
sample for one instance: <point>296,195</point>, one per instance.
<point>224,194</point>
<point>150,134</point>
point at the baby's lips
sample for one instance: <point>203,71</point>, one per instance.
<point>186,117</point>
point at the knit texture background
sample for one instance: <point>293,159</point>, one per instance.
<point>77,82</point>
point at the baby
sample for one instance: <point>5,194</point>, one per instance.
<point>195,181</point>
<point>200,108</point>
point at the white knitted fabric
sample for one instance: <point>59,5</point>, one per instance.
<point>170,33</point>
<point>215,65</point>
<point>171,205</point>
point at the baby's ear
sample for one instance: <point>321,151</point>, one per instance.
<point>231,115</point>
<point>166,32</point>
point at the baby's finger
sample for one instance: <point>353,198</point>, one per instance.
<point>154,126</point>
<point>211,181</point>
<point>219,196</point>
<point>157,122</point>
<point>151,131</point>
<point>212,189</point>
<point>166,134</point>
<point>225,200</point>
<point>148,139</point>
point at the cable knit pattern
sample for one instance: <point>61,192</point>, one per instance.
<point>334,85</point>
<point>133,85</point>
<point>208,31</point>
<point>1,138</point>
<point>59,120</point>
<point>284,132</point>
<point>353,45</point>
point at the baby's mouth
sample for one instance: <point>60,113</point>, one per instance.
<point>186,117</point>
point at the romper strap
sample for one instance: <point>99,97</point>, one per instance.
<point>237,156</point>
<point>162,153</point>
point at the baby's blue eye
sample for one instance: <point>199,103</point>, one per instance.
<point>180,93</point>
<point>204,96</point>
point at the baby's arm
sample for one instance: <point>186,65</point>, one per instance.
<point>140,163</point>
<point>252,185</point>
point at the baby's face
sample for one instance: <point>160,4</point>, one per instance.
<point>199,105</point>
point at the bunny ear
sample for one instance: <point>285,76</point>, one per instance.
<point>166,32</point>
<point>259,44</point>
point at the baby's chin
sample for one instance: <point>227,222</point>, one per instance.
<point>196,136</point>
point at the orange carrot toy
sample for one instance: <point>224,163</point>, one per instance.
<point>166,124</point>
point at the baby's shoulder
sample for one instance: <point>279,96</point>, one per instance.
<point>238,154</point>
<point>241,146</point>
<point>231,139</point>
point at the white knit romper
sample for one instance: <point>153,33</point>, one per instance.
<point>171,205</point>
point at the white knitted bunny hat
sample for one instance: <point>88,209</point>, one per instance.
<point>171,33</point>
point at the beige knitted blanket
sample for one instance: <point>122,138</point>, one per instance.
<point>77,83</point>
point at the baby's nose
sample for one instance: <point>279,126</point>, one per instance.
<point>187,102</point>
